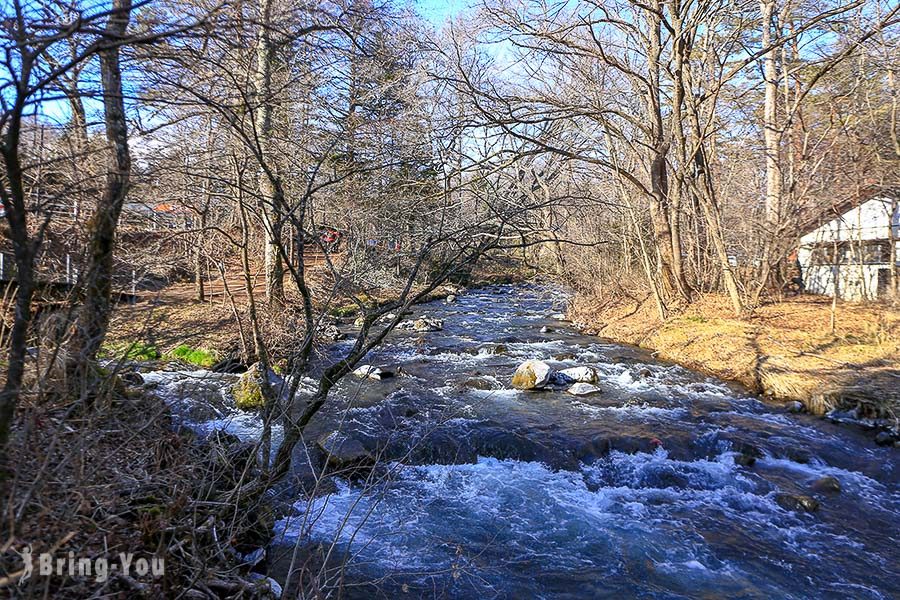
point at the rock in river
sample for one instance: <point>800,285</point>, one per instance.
<point>797,503</point>
<point>580,374</point>
<point>480,383</point>
<point>583,389</point>
<point>426,324</point>
<point>372,372</point>
<point>532,374</point>
<point>247,392</point>
<point>343,451</point>
<point>884,438</point>
<point>827,484</point>
<point>795,407</point>
<point>331,332</point>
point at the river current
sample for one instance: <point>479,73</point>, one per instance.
<point>665,484</point>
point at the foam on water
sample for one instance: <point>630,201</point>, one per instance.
<point>515,524</point>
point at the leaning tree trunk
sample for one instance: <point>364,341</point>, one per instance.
<point>93,318</point>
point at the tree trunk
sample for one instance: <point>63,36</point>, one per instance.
<point>671,270</point>
<point>25,250</point>
<point>93,318</point>
<point>770,125</point>
<point>269,186</point>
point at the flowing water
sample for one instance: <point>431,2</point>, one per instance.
<point>641,490</point>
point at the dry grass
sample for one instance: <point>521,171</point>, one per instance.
<point>171,317</point>
<point>114,476</point>
<point>786,350</point>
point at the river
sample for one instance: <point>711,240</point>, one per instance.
<point>666,484</point>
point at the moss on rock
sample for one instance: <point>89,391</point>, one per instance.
<point>247,391</point>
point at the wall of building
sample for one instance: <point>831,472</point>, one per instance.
<point>843,255</point>
<point>854,282</point>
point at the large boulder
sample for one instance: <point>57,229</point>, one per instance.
<point>426,324</point>
<point>583,389</point>
<point>579,374</point>
<point>532,374</point>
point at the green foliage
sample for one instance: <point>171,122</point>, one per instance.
<point>136,350</point>
<point>195,356</point>
<point>695,319</point>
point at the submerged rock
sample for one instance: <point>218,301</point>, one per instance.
<point>797,502</point>
<point>744,460</point>
<point>426,324</point>
<point>884,438</point>
<point>343,451</point>
<point>580,374</point>
<point>488,349</point>
<point>532,374</point>
<point>546,329</point>
<point>827,484</point>
<point>480,383</point>
<point>583,389</point>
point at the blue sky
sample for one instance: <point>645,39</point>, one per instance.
<point>438,11</point>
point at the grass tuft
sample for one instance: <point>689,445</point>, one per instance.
<point>136,350</point>
<point>200,357</point>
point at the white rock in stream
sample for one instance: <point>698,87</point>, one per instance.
<point>580,374</point>
<point>372,372</point>
<point>583,389</point>
<point>532,374</point>
<point>428,324</point>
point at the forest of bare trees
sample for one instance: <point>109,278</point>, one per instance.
<point>312,155</point>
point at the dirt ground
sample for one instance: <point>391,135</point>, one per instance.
<point>787,350</point>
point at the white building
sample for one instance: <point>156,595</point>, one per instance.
<point>851,253</point>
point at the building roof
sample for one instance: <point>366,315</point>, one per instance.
<point>840,208</point>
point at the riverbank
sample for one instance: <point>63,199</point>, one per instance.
<point>786,350</point>
<point>122,477</point>
<point>163,322</point>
